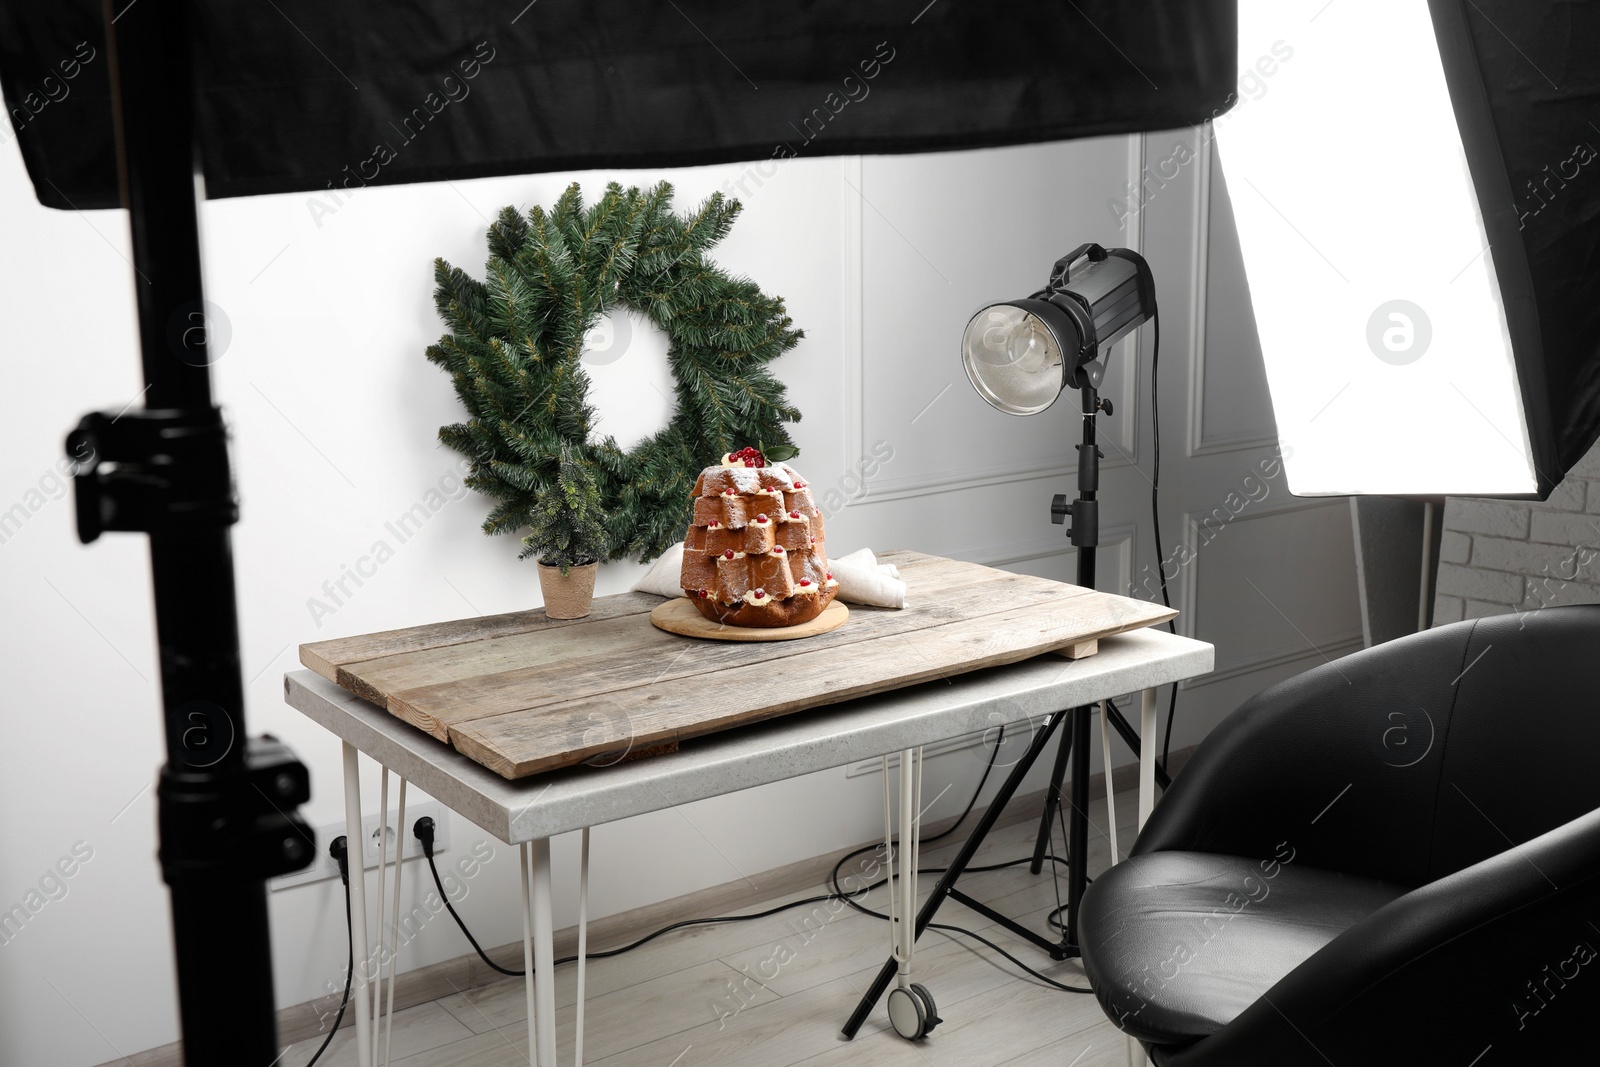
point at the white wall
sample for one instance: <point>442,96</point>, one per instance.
<point>334,412</point>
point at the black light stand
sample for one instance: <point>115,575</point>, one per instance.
<point>1085,535</point>
<point>227,805</point>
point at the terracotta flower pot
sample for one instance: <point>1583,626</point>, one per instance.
<point>567,596</point>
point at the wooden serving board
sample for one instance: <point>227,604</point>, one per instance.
<point>523,693</point>
<point>681,617</point>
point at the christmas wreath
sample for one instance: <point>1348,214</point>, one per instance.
<point>516,342</point>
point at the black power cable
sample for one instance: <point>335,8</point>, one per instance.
<point>1155,520</point>
<point>425,835</point>
<point>423,829</point>
<point>424,832</point>
<point>427,849</point>
<point>339,850</point>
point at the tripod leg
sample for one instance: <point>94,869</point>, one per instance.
<point>1078,826</point>
<point>1052,801</point>
<point>947,881</point>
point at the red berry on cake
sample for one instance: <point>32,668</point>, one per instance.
<point>777,550</point>
<point>745,457</point>
<point>799,485</point>
<point>794,514</point>
<point>727,553</point>
<point>761,518</point>
<point>803,583</point>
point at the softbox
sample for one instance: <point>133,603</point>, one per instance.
<point>297,95</point>
<point>1417,190</point>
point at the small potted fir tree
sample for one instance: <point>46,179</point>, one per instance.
<point>568,538</point>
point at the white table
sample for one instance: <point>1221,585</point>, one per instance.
<point>529,812</point>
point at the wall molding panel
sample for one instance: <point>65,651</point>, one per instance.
<point>1323,653</point>
<point>883,490</point>
<point>1320,635</point>
<point>1117,541</point>
<point>852,284</point>
<point>1200,441</point>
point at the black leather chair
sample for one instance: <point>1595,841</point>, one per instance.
<point>1392,858</point>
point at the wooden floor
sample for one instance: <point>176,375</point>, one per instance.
<point>775,991</point>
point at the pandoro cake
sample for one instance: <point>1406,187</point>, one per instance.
<point>754,552</point>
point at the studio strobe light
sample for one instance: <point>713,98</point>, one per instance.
<point>1021,354</point>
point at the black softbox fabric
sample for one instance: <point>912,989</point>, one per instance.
<point>1525,82</point>
<point>298,95</point>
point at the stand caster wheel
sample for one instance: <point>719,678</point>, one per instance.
<point>911,1011</point>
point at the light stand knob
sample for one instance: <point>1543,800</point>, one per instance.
<point>1059,508</point>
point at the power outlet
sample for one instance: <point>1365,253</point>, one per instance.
<point>326,868</point>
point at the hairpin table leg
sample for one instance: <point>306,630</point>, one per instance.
<point>1147,756</point>
<point>583,941</point>
<point>1147,803</point>
<point>394,924</point>
<point>1105,761</point>
<point>910,1005</point>
<point>527,956</point>
<point>383,887</point>
<point>544,956</point>
<point>360,1000</point>
<point>538,953</point>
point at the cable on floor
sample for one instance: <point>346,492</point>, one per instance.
<point>839,893</point>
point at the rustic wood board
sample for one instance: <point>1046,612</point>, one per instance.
<point>432,682</point>
<point>522,694</point>
<point>683,618</point>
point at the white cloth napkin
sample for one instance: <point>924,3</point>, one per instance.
<point>862,579</point>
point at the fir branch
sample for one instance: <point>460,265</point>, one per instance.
<point>507,234</point>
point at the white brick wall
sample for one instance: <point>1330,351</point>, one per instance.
<point>1500,556</point>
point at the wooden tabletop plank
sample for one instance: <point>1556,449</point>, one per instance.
<point>598,642</point>
<point>620,653</point>
<point>521,693</point>
<point>517,744</point>
<point>326,657</point>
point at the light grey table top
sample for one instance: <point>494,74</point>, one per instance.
<point>550,804</point>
